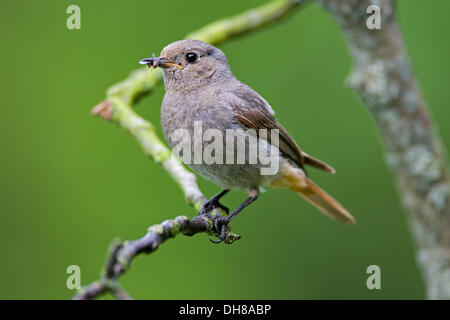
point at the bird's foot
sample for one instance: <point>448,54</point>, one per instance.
<point>225,234</point>
<point>212,204</point>
<point>221,226</point>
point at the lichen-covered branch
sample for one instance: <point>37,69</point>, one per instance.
<point>383,78</point>
<point>120,112</point>
<point>141,82</point>
<point>117,107</point>
<point>120,97</point>
<point>121,254</point>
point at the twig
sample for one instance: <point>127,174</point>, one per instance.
<point>384,80</point>
<point>118,108</point>
<point>121,254</point>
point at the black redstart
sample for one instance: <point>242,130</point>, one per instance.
<point>201,90</point>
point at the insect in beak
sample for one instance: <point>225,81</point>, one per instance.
<point>162,62</point>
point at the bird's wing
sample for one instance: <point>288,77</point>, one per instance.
<point>257,119</point>
<point>255,115</point>
<point>254,112</point>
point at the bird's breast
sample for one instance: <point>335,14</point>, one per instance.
<point>194,111</point>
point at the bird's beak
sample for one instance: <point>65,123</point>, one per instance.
<point>162,62</point>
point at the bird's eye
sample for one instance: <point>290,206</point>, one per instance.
<point>191,57</point>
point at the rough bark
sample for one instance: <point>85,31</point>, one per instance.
<point>384,80</point>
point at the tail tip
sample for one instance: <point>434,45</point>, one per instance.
<point>350,220</point>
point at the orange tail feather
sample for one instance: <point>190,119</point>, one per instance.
<point>295,179</point>
<point>325,203</point>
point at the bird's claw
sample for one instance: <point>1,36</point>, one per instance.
<point>222,225</point>
<point>216,241</point>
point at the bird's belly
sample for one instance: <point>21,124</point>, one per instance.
<point>234,176</point>
<point>226,174</point>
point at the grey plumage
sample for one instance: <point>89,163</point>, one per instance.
<point>201,87</point>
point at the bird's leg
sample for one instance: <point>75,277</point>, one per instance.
<point>221,224</point>
<point>213,203</point>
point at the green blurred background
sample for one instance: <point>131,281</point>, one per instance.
<point>70,182</point>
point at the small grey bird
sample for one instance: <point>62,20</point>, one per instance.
<point>201,87</point>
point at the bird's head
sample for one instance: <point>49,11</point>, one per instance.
<point>190,64</point>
